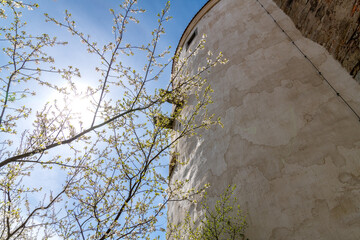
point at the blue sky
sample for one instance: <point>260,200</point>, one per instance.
<point>93,17</point>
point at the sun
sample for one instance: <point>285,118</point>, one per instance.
<point>75,104</point>
<point>80,107</point>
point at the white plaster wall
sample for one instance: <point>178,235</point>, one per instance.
<point>289,143</point>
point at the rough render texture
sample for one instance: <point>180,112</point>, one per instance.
<point>289,143</point>
<point>335,24</point>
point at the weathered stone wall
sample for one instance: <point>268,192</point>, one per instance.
<point>289,143</point>
<point>335,24</point>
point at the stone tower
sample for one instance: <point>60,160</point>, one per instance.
<point>291,136</point>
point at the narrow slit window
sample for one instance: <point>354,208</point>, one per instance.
<point>191,39</point>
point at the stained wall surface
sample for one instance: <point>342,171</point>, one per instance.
<point>289,143</point>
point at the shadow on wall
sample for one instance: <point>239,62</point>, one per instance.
<point>333,24</point>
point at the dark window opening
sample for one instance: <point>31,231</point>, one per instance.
<point>191,39</point>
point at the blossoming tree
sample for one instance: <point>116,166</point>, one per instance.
<point>110,182</point>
